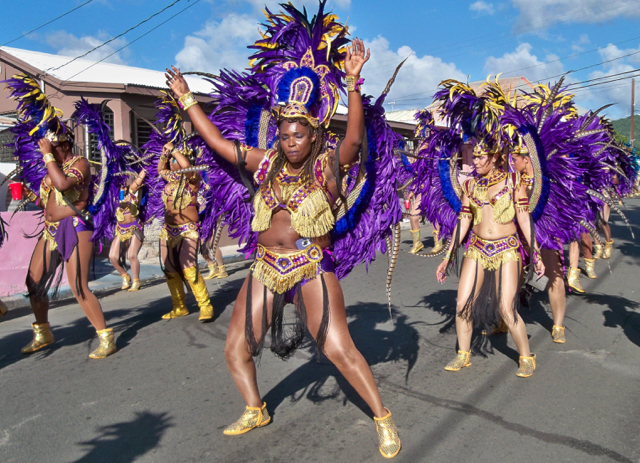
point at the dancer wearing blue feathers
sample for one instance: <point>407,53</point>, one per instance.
<point>297,205</point>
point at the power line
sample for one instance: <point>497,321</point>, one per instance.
<point>135,40</point>
<point>47,23</point>
<point>114,38</point>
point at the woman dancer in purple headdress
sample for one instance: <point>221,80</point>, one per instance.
<point>129,234</point>
<point>75,213</point>
<point>490,277</point>
<point>294,218</point>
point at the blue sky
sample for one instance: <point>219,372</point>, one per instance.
<point>538,39</point>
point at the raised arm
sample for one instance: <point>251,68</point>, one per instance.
<point>59,180</point>
<point>207,130</point>
<point>353,63</point>
<point>138,182</point>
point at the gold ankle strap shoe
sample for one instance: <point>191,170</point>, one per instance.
<point>608,249</point>
<point>573,280</point>
<point>557,333</point>
<point>213,272</point>
<point>417,243</point>
<point>135,286</point>
<point>107,344</point>
<point>597,253</point>
<point>589,268</point>
<point>253,417</point>
<point>126,281</point>
<point>388,436</point>
<point>222,272</point>
<point>463,359</point>
<point>527,365</point>
<point>42,336</point>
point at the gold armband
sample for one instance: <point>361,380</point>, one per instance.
<point>465,213</point>
<point>187,100</point>
<point>447,256</point>
<point>522,204</point>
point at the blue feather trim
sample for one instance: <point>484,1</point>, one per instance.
<point>284,86</point>
<point>447,187</point>
<point>352,217</point>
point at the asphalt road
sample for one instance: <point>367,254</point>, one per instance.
<point>166,395</point>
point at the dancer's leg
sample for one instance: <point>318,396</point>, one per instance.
<point>510,286</point>
<point>39,305</point>
<point>586,245</point>
<point>239,360</point>
<point>555,287</point>
<point>464,327</point>
<point>89,303</point>
<point>114,255</point>
<point>339,347</point>
<point>132,255</point>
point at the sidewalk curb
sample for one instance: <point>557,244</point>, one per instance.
<point>107,284</point>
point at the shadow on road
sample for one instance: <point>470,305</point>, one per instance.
<point>125,442</point>
<point>376,345</point>
<point>129,322</point>
<point>621,313</point>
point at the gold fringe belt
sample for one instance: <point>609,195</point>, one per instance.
<point>491,254</point>
<point>176,233</point>
<point>281,272</point>
<point>126,231</point>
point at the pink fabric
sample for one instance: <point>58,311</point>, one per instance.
<point>16,252</point>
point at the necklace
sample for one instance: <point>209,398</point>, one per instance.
<point>66,164</point>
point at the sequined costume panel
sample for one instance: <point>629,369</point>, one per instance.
<point>306,201</point>
<point>174,234</point>
<point>492,253</point>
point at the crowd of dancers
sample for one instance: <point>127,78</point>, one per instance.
<point>310,205</point>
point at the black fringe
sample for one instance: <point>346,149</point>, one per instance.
<point>122,256</point>
<point>321,337</point>
<point>51,276</point>
<point>284,343</point>
<point>455,262</point>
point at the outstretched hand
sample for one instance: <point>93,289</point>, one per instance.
<point>356,57</point>
<point>176,81</point>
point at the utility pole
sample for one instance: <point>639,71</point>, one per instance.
<point>633,109</point>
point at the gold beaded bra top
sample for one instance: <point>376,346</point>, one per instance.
<point>129,205</point>
<point>305,200</point>
<point>502,203</point>
<point>179,191</point>
<point>72,194</point>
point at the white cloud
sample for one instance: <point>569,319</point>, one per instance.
<point>542,13</point>
<point>219,45</point>
<point>417,81</point>
<point>577,46</point>
<point>523,62</point>
<point>67,44</point>
<point>482,7</point>
<point>611,90</point>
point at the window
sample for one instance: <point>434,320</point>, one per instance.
<point>143,131</point>
<point>6,146</point>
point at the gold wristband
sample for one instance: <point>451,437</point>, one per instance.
<point>47,158</point>
<point>352,83</point>
<point>187,100</point>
